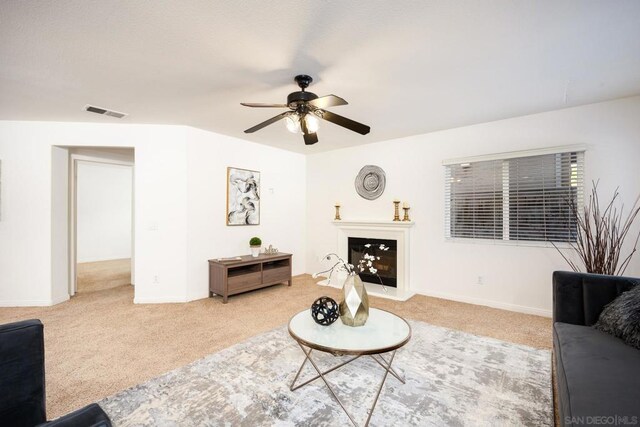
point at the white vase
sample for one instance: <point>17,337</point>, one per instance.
<point>255,251</point>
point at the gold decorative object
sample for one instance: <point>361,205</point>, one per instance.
<point>396,214</point>
<point>271,250</point>
<point>354,307</point>
<point>405,207</point>
<point>337,218</point>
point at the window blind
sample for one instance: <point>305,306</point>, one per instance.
<point>523,198</point>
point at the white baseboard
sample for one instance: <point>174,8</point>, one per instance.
<point>490,303</point>
<point>60,299</point>
<point>27,303</point>
<point>199,295</point>
<point>159,300</point>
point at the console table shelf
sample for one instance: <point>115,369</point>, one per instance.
<point>247,273</point>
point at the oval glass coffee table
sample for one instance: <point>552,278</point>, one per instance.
<point>383,333</point>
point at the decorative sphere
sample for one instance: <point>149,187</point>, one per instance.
<point>324,311</point>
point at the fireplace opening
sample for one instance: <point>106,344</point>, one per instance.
<point>387,265</point>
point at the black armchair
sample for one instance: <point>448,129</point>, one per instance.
<point>22,386</point>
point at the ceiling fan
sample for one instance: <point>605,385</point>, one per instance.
<point>304,110</point>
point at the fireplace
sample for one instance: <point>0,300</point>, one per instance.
<point>387,265</point>
<point>394,234</point>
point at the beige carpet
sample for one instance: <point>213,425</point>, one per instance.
<point>102,275</point>
<point>99,342</point>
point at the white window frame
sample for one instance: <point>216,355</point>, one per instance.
<point>506,156</point>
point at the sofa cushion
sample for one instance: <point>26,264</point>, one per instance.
<point>621,317</point>
<point>597,374</point>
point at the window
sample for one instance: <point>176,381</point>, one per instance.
<point>520,198</point>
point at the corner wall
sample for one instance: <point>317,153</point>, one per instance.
<point>515,277</point>
<point>282,203</point>
<point>32,249</point>
<point>180,180</point>
<point>180,195</point>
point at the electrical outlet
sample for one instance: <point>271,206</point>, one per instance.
<point>480,280</point>
<point>155,280</point>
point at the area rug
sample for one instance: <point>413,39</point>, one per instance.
<point>452,378</point>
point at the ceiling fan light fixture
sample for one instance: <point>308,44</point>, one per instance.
<point>305,108</point>
<point>292,123</point>
<point>312,123</point>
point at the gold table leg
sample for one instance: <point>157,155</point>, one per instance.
<point>384,378</point>
<point>387,364</point>
<point>292,388</point>
<point>382,362</point>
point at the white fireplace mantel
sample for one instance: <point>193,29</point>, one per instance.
<point>374,223</point>
<point>379,229</point>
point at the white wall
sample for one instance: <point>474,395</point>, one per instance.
<point>180,182</point>
<point>26,231</point>
<point>103,203</point>
<point>517,278</point>
<point>59,225</point>
<point>282,203</point>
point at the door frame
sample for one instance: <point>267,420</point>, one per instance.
<point>73,213</point>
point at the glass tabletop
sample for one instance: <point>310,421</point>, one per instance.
<point>384,331</point>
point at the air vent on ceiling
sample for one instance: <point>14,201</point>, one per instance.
<point>104,111</point>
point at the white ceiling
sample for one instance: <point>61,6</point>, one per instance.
<point>405,67</point>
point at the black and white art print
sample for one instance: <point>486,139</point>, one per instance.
<point>243,197</point>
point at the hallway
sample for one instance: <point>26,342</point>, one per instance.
<point>103,275</point>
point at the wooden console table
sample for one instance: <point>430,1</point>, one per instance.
<point>234,276</point>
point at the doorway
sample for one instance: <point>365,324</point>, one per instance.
<point>101,219</point>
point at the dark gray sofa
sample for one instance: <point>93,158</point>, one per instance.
<point>22,386</point>
<point>597,375</point>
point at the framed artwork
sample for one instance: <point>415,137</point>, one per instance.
<point>243,197</point>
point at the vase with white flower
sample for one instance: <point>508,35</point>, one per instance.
<point>354,306</point>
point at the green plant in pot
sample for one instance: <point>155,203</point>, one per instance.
<point>255,243</point>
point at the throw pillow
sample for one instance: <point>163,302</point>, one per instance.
<point>621,317</point>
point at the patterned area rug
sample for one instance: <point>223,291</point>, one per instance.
<point>453,378</point>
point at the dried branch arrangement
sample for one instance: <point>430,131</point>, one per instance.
<point>600,235</point>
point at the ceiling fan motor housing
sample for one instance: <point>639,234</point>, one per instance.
<point>296,98</point>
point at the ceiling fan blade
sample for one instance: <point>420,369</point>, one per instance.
<point>343,121</point>
<point>268,122</point>
<point>310,138</point>
<point>327,101</point>
<point>259,105</point>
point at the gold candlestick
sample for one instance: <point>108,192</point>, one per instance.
<point>406,214</point>
<point>396,214</point>
<point>337,218</point>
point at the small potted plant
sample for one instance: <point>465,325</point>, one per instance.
<point>255,243</point>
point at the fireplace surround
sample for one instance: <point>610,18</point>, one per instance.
<point>385,230</point>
